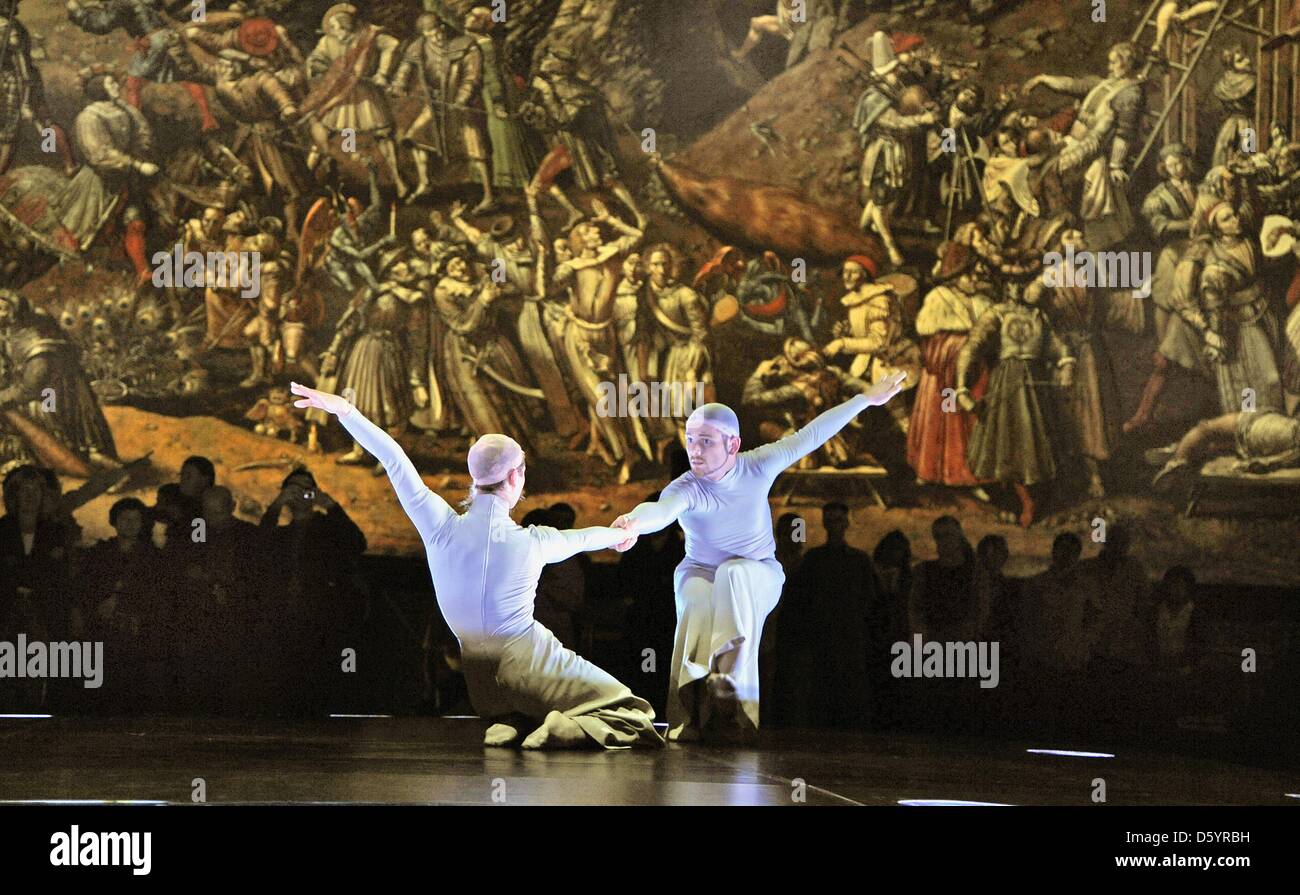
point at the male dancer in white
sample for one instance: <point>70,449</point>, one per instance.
<point>730,579</point>
<point>485,569</point>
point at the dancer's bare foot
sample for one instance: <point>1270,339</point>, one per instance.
<point>558,731</point>
<point>500,735</point>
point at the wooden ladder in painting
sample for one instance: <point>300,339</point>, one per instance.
<point>1183,56</point>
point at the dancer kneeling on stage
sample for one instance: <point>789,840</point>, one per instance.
<point>730,579</point>
<point>485,569</point>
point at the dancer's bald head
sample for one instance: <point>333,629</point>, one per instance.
<point>719,416</point>
<point>712,440</point>
<point>492,457</point>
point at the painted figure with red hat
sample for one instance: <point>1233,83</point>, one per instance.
<point>885,124</point>
<point>267,45</point>
<point>873,334</point>
<point>264,109</point>
<point>939,434</point>
<point>160,54</point>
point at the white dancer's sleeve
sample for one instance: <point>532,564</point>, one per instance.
<point>658,514</point>
<point>557,545</point>
<point>427,510</point>
<point>775,458</point>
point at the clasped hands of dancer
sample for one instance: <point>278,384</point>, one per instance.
<point>341,407</point>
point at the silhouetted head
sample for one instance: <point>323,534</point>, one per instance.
<point>992,552</point>
<point>835,519</point>
<point>127,516</point>
<point>197,475</point>
<point>950,541</point>
<point>1066,550</point>
<point>894,550</point>
<point>299,490</point>
<point>564,515</point>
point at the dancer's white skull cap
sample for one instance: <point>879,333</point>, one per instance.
<point>492,457</point>
<point>719,416</point>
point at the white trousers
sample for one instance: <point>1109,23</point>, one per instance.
<point>720,615</point>
<point>535,674</point>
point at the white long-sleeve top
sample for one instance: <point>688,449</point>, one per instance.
<point>730,518</point>
<point>483,564</point>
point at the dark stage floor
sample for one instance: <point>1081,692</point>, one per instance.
<point>441,760</point>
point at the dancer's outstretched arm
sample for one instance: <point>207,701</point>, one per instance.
<point>426,509</point>
<point>778,456</point>
<point>654,515</point>
<point>557,545</point>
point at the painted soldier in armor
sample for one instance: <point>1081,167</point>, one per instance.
<point>450,71</point>
<point>1100,140</point>
<point>357,62</point>
<point>572,113</point>
<point>516,149</point>
<point>46,383</point>
<point>263,106</point>
<point>22,91</point>
<point>1016,441</point>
